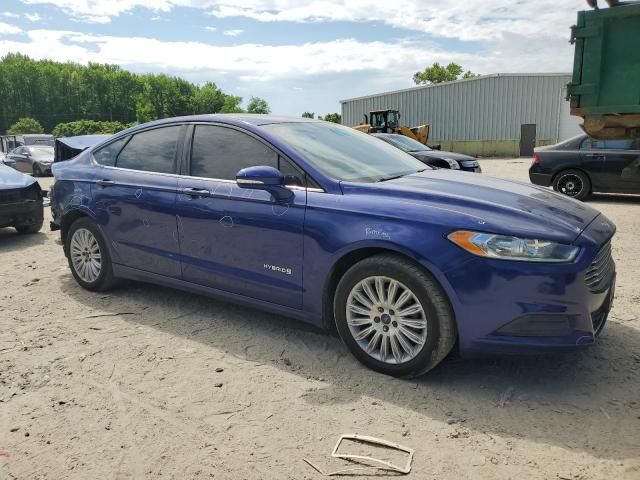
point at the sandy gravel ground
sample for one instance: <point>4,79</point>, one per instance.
<point>146,382</point>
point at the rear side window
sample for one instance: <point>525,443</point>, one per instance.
<point>107,155</point>
<point>151,151</point>
<point>618,144</point>
<point>220,153</point>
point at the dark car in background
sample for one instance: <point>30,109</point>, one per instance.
<point>429,156</point>
<point>581,165</point>
<point>21,201</point>
<point>32,159</point>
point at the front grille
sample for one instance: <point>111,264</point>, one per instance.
<point>600,272</point>
<point>10,196</point>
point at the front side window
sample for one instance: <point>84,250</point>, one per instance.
<point>151,151</point>
<point>107,155</point>
<point>220,153</point>
<point>344,153</point>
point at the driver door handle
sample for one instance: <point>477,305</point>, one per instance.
<point>196,192</point>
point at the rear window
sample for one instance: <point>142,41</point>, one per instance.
<point>151,151</point>
<point>107,155</point>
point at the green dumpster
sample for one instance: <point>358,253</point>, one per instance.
<point>605,88</point>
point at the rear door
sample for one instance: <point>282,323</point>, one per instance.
<point>135,198</point>
<point>621,169</point>
<point>233,239</point>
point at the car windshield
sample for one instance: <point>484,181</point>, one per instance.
<point>344,153</point>
<point>406,144</point>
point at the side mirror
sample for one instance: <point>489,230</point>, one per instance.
<point>264,178</point>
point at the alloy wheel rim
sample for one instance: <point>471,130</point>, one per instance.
<point>386,320</point>
<point>570,185</point>
<point>85,255</point>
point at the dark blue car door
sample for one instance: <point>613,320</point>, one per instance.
<point>135,199</point>
<point>233,239</point>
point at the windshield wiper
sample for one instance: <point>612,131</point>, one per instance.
<point>391,178</point>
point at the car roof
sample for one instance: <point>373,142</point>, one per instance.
<point>233,118</point>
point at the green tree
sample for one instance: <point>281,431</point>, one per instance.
<point>436,73</point>
<point>308,115</point>
<point>258,105</point>
<point>87,127</point>
<point>332,117</point>
<point>208,99</point>
<point>25,125</point>
<point>231,104</point>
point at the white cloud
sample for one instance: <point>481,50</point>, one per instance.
<point>33,17</point>
<point>468,20</point>
<point>211,29</point>
<point>398,59</point>
<point>9,15</point>
<point>232,33</point>
<point>6,29</point>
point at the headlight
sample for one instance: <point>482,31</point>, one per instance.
<point>513,248</point>
<point>453,164</point>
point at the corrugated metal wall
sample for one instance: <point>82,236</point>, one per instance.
<point>486,108</point>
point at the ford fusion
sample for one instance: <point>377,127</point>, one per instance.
<point>320,222</point>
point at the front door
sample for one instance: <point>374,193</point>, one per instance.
<point>237,240</point>
<point>135,201</point>
<point>21,156</point>
<point>527,139</point>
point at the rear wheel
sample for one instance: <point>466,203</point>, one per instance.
<point>88,256</point>
<point>37,171</point>
<point>393,316</point>
<point>573,183</point>
<point>31,228</point>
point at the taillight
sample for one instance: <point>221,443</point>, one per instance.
<point>536,159</point>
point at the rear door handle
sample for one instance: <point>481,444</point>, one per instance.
<point>196,192</point>
<point>105,182</point>
<point>594,155</point>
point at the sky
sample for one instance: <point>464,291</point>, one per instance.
<point>299,55</point>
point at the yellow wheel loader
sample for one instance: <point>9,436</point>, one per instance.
<point>388,121</point>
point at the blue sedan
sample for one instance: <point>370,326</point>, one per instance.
<point>320,222</point>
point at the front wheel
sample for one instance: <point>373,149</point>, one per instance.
<point>573,183</point>
<point>88,256</point>
<point>393,316</point>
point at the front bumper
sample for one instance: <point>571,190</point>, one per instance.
<point>29,212</point>
<point>522,308</point>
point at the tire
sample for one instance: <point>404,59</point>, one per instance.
<point>32,228</point>
<point>572,183</point>
<point>79,245</point>
<point>438,335</point>
<point>37,171</point>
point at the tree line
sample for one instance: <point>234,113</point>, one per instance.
<point>56,93</point>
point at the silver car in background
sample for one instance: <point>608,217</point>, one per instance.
<point>36,159</point>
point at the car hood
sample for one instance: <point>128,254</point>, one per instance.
<point>10,178</point>
<point>479,202</point>
<point>442,154</point>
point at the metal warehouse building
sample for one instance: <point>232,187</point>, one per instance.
<point>492,115</point>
